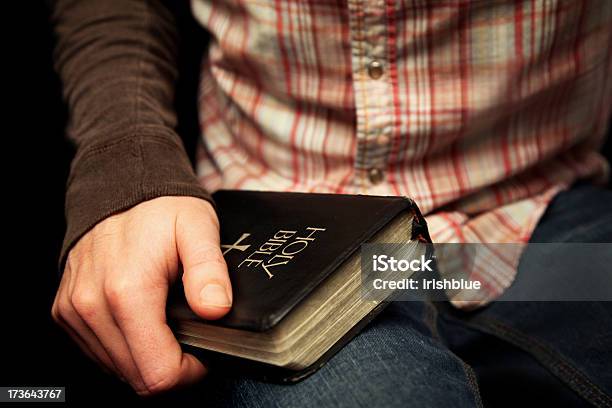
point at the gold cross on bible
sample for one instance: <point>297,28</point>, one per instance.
<point>235,245</point>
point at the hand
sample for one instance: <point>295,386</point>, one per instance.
<point>112,296</point>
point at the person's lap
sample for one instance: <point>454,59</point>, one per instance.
<point>392,361</point>
<point>405,355</point>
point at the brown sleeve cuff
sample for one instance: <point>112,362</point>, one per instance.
<point>143,164</point>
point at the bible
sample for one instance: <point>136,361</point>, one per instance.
<point>294,263</point>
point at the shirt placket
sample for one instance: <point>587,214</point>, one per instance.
<point>373,89</point>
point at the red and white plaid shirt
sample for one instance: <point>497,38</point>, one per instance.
<point>480,110</point>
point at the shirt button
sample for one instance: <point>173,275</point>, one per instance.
<point>375,69</point>
<point>375,175</point>
<point>382,140</point>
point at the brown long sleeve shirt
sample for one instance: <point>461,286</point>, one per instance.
<point>117,62</point>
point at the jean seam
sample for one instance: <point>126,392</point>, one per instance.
<point>430,318</point>
<point>472,381</point>
<point>556,363</point>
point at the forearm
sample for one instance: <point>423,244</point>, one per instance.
<point>117,63</point>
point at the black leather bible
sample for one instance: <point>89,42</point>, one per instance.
<point>294,264</point>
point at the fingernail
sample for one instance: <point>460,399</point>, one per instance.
<point>214,295</point>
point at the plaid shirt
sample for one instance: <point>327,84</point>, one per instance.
<point>481,111</point>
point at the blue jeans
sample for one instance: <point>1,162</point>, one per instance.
<point>431,355</point>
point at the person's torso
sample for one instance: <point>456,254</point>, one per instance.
<point>479,110</point>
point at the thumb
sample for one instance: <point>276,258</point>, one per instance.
<point>205,279</point>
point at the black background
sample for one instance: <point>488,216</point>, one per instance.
<point>36,159</point>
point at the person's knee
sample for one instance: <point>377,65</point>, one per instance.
<point>386,365</point>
